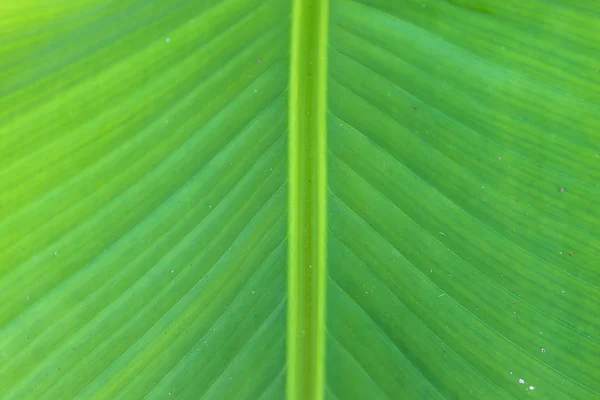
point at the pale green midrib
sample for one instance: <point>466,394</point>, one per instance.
<point>307,227</point>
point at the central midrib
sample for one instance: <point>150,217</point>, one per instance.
<point>307,229</point>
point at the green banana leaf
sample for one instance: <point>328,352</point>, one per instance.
<point>308,199</point>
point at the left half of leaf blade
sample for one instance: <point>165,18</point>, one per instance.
<point>143,204</point>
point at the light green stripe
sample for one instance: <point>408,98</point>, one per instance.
<point>307,201</point>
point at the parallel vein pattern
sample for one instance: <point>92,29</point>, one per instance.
<point>143,202</point>
<point>463,155</point>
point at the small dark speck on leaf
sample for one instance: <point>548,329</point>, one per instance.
<point>415,107</point>
<point>571,254</point>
